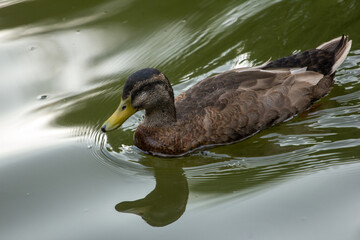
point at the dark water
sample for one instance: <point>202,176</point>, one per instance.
<point>63,65</point>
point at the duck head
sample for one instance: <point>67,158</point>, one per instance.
<point>147,89</point>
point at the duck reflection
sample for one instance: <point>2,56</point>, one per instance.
<point>166,203</point>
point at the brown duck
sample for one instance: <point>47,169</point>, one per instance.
<point>229,106</point>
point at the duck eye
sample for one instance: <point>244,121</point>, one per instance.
<point>123,107</point>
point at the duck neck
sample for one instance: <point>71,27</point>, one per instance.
<point>160,116</point>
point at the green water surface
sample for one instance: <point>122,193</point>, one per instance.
<point>63,65</point>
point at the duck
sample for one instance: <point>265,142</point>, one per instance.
<point>227,107</point>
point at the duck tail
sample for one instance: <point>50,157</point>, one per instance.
<point>340,47</point>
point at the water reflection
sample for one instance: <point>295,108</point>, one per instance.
<point>166,203</point>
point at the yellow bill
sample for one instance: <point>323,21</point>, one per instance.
<point>122,113</point>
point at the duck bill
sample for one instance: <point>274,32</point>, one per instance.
<point>122,113</point>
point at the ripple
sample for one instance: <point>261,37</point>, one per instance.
<point>276,167</point>
<point>96,142</point>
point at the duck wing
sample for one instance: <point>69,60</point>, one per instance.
<point>233,105</point>
<point>306,68</point>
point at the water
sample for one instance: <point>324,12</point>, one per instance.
<point>63,65</point>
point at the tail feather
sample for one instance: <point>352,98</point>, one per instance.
<point>325,59</point>
<point>340,47</point>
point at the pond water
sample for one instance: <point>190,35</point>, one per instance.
<point>63,65</point>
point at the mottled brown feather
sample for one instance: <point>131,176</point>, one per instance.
<point>233,105</point>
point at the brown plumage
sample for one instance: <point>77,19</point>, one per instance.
<point>229,106</point>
